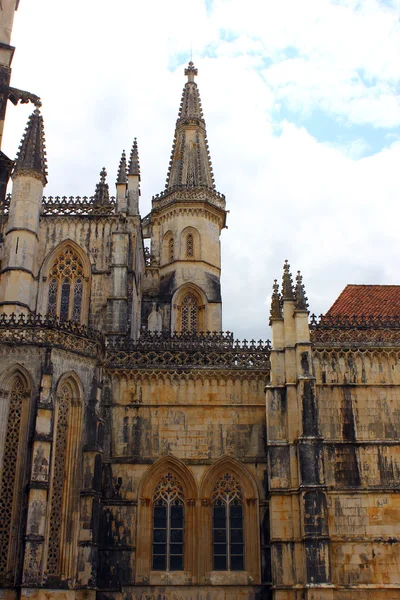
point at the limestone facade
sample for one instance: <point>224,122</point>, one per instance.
<point>145,454</point>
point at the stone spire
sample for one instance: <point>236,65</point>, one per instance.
<point>301,300</point>
<point>276,304</point>
<point>122,175</point>
<point>31,157</point>
<point>287,283</point>
<point>102,193</point>
<point>190,164</point>
<point>134,166</point>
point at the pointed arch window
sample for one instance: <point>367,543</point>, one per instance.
<point>190,314</point>
<point>65,292</point>
<point>9,480</point>
<point>227,523</point>
<point>168,525</point>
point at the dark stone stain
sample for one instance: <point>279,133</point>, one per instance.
<point>213,285</point>
<point>348,423</point>
<point>167,287</point>
<point>310,415</point>
<point>315,513</point>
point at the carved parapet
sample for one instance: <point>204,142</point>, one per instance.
<point>33,329</point>
<point>355,330</point>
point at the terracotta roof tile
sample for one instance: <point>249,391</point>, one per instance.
<point>367,300</point>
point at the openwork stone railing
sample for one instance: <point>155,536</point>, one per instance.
<point>34,329</point>
<point>68,205</point>
<point>199,193</point>
<point>355,322</point>
<point>355,330</point>
<point>206,350</point>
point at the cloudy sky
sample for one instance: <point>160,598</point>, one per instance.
<point>302,105</point>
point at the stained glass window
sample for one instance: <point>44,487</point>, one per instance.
<point>228,540</point>
<point>171,249</point>
<point>189,314</point>
<point>66,287</point>
<point>168,525</point>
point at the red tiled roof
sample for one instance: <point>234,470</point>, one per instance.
<point>367,300</point>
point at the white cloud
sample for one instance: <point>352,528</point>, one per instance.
<point>102,71</point>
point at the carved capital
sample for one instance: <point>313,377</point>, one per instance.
<point>205,502</point>
<point>251,501</point>
<point>145,501</point>
<point>190,501</point>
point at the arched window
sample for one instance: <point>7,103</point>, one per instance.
<point>66,286</point>
<point>227,524</point>
<point>190,314</point>
<point>66,443</point>
<point>189,245</point>
<point>171,254</point>
<point>9,478</point>
<point>168,523</point>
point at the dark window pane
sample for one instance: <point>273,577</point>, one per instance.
<point>236,548</point>
<point>52,298</point>
<point>219,512</point>
<point>159,535</point>
<point>237,563</point>
<point>219,548</point>
<point>160,511</point>
<point>236,511</point>
<point>160,523</point>
<point>159,548</point>
<point>159,563</point>
<point>77,303</point>
<point>219,563</point>
<point>65,291</point>
<point>176,548</point>
<point>176,563</point>
<point>177,535</point>
<point>219,523</point>
<point>177,512</point>
<point>219,535</point>
<point>236,523</point>
<point>176,523</point>
<point>236,535</point>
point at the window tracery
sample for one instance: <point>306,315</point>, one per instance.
<point>168,525</point>
<point>190,315</point>
<point>8,482</point>
<point>189,245</point>
<point>64,401</point>
<point>228,531</point>
<point>171,253</point>
<point>65,291</point>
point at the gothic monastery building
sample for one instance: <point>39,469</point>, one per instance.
<point>145,455</point>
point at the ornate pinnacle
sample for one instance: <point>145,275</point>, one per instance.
<point>122,176</point>
<point>191,71</point>
<point>276,305</point>
<point>287,283</point>
<point>32,150</point>
<point>102,193</point>
<point>300,293</point>
<point>134,166</point>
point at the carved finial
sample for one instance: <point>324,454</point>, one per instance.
<point>134,166</point>
<point>191,71</point>
<point>102,193</point>
<point>287,283</point>
<point>300,293</point>
<point>32,150</point>
<point>276,305</point>
<point>122,176</point>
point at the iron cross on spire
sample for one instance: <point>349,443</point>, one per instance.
<point>191,71</point>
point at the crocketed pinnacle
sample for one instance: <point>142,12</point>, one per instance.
<point>190,164</point>
<point>276,305</point>
<point>301,300</point>
<point>134,166</point>
<point>122,176</point>
<point>31,155</point>
<point>102,193</point>
<point>287,283</point>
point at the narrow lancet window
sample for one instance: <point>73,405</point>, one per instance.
<point>228,540</point>
<point>168,525</point>
<point>189,245</point>
<point>171,249</point>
